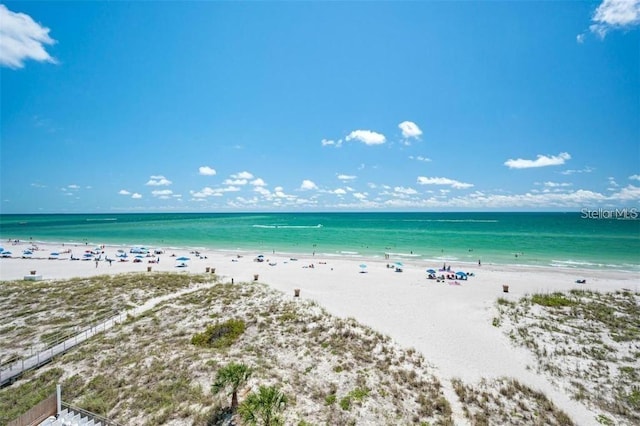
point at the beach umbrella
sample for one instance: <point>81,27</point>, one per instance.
<point>400,264</point>
<point>182,259</point>
<point>6,254</point>
<point>363,266</point>
<point>1,249</point>
<point>431,271</point>
<point>461,275</point>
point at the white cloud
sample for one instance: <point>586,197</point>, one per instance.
<point>367,137</point>
<point>628,193</point>
<point>420,158</point>
<point>136,196</point>
<point>635,177</point>
<point>211,192</point>
<point>409,129</point>
<point>242,175</point>
<point>204,193</point>
<point>540,161</point>
<point>262,191</point>
<point>443,181</point>
<point>339,191</point>
<point>571,172</point>
<point>330,142</point>
<point>556,184</point>
<point>162,193</point>
<point>158,181</point>
<point>405,191</point>
<point>258,182</point>
<point>615,14</point>
<point>346,177</point>
<point>580,38</point>
<point>21,38</point>
<point>611,180</point>
<point>73,187</point>
<point>124,192</point>
<point>360,195</point>
<point>235,181</point>
<point>308,185</point>
<point>206,171</point>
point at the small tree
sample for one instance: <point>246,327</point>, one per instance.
<point>233,376</point>
<point>263,407</point>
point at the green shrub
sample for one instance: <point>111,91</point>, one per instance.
<point>330,399</point>
<point>220,335</point>
<point>553,300</point>
<point>345,403</point>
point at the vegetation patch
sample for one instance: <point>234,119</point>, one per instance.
<point>553,300</point>
<point>585,342</point>
<point>32,318</point>
<point>507,401</point>
<point>34,387</point>
<point>220,335</point>
<point>146,371</point>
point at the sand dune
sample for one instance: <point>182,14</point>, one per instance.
<point>450,324</point>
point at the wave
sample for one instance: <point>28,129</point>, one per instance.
<point>454,220</point>
<point>288,226</point>
<point>392,254</point>
<point>102,220</point>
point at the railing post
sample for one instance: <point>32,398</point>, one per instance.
<point>58,398</point>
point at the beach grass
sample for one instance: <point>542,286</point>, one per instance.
<point>147,371</point>
<point>37,314</point>
<point>586,341</point>
<point>507,401</point>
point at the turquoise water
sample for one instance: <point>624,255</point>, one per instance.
<point>539,239</point>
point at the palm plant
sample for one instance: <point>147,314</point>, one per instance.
<point>233,376</point>
<point>263,407</point>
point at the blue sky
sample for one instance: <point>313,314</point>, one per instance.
<point>319,106</point>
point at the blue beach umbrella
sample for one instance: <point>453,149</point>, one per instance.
<point>461,275</point>
<point>182,259</point>
<point>431,271</point>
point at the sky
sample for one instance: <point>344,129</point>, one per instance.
<point>115,107</point>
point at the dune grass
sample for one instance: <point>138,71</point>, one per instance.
<point>146,371</point>
<point>588,339</point>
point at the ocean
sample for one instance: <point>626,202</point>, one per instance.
<point>569,240</point>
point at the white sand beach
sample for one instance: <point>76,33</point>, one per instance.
<point>450,324</point>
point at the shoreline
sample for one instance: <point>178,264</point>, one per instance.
<point>449,322</point>
<point>556,265</point>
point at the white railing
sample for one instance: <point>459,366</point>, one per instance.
<point>16,368</point>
